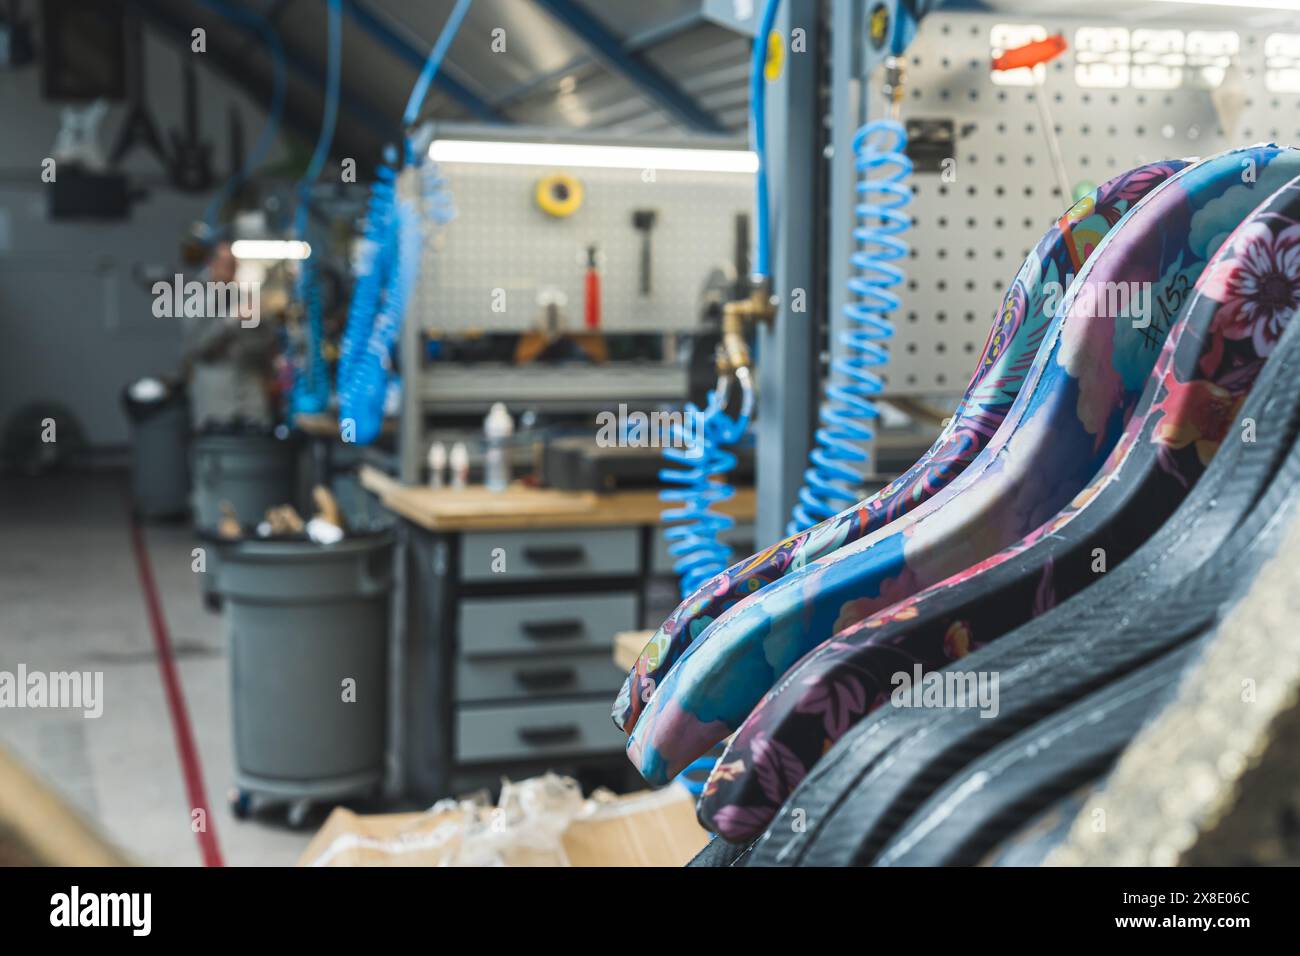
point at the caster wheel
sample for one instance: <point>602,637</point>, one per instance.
<point>299,810</point>
<point>241,804</point>
<point>212,601</point>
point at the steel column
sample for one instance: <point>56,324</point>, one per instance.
<point>788,354</point>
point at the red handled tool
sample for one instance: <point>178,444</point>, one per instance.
<point>1031,54</point>
<point>592,291</point>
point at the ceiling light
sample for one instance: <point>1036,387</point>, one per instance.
<point>605,157</point>
<point>269,249</point>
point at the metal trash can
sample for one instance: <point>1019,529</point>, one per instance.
<point>160,432</point>
<point>308,630</point>
<point>252,471</point>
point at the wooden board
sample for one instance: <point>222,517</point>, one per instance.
<point>324,425</point>
<point>521,507</point>
<point>649,828</point>
<point>628,646</point>
<point>38,829</point>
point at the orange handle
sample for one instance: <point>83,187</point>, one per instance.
<point>1031,54</point>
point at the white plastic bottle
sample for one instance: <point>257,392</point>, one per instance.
<point>459,465</point>
<point>437,464</point>
<point>498,426</point>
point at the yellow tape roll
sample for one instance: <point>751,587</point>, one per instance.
<point>559,195</point>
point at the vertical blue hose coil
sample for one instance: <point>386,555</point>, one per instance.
<point>368,347</point>
<point>311,387</point>
<point>838,463</point>
<point>388,261</point>
<point>698,485</point>
<point>373,268</point>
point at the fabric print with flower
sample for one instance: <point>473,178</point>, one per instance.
<point>1198,387</point>
<point>1020,326</point>
<point>1043,455</point>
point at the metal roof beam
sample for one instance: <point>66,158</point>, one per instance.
<point>406,47</point>
<point>650,37</point>
<point>613,55</point>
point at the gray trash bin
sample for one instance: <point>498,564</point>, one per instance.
<point>160,439</point>
<point>252,472</point>
<point>303,619</point>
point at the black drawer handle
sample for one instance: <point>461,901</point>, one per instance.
<point>547,679</point>
<point>551,630</point>
<point>571,554</point>
<point>548,736</point>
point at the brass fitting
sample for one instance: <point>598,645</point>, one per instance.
<point>733,353</point>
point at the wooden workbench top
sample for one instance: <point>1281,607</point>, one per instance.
<point>628,646</point>
<point>522,508</point>
<point>325,425</point>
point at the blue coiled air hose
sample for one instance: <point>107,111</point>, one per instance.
<point>371,366</point>
<point>838,463</point>
<point>388,263</point>
<point>373,267</point>
<point>699,448</point>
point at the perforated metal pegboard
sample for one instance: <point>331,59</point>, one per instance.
<point>971,235</point>
<point>503,252</point>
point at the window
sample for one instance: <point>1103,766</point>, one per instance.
<point>1157,59</point>
<point>1009,36</point>
<point>1101,57</point>
<point>1282,62</point>
<point>1209,54</point>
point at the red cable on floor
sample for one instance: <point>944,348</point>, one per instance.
<point>191,767</point>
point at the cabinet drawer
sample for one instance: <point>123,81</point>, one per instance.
<point>536,555</point>
<point>741,539</point>
<point>537,676</point>
<point>581,622</point>
<point>527,731</point>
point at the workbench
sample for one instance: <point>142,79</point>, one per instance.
<point>505,609</point>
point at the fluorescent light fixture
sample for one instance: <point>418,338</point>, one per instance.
<point>1244,4</point>
<point>269,249</point>
<point>604,157</point>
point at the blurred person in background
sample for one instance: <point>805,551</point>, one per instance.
<point>230,367</point>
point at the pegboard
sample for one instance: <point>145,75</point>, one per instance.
<point>488,267</point>
<point>971,235</point>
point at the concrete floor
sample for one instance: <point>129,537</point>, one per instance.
<point>70,599</point>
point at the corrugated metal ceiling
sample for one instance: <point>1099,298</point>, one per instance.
<point>546,76</point>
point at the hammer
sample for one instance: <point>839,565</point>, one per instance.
<point>643,221</point>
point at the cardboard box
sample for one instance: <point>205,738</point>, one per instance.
<point>645,829</point>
